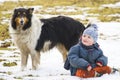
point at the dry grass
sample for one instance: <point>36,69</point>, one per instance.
<point>105,12</point>
<point>9,6</point>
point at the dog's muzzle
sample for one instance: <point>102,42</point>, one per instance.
<point>22,21</point>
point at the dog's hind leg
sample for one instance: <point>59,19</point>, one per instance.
<point>63,51</point>
<point>37,57</point>
<point>35,60</point>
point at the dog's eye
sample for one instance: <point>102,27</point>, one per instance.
<point>18,13</point>
<point>24,13</point>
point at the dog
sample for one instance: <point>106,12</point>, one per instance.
<point>33,35</point>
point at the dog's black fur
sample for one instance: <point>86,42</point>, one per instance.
<point>61,29</point>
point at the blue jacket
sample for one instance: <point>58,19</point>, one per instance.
<point>80,56</point>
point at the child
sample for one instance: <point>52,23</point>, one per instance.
<point>86,58</point>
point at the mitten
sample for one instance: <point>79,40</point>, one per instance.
<point>89,68</point>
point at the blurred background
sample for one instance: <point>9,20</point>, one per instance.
<point>82,10</point>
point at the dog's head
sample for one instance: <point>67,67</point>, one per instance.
<point>21,18</point>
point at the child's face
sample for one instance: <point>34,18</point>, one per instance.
<point>87,40</point>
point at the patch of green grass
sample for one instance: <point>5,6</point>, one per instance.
<point>105,12</point>
<point>5,45</point>
<point>9,64</point>
<point>50,3</point>
<point>2,60</point>
<point>4,34</point>
<point>30,75</point>
<point>9,73</point>
<point>4,48</point>
<point>54,12</point>
<point>2,79</point>
<point>82,3</point>
<point>18,78</point>
<point>109,18</point>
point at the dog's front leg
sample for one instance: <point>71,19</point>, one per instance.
<point>35,60</point>
<point>24,58</point>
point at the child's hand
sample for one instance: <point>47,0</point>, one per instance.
<point>99,64</point>
<point>89,68</point>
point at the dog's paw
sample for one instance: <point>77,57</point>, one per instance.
<point>23,68</point>
<point>34,67</point>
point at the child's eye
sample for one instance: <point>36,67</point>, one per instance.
<point>89,37</point>
<point>84,35</point>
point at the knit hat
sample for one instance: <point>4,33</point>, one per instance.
<point>92,31</point>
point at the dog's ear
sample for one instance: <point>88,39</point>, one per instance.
<point>15,10</point>
<point>88,25</point>
<point>30,10</point>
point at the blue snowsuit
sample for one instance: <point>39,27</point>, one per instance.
<point>81,56</point>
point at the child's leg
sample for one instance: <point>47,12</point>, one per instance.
<point>103,70</point>
<point>87,74</point>
<point>84,73</point>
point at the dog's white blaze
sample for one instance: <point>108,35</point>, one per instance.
<point>35,32</point>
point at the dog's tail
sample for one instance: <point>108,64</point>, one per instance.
<point>90,23</point>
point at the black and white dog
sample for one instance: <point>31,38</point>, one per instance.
<point>32,35</point>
